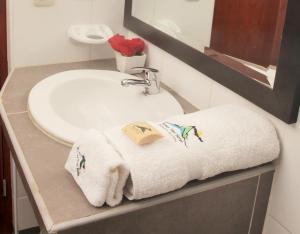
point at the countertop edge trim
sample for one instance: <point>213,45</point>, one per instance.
<point>164,198</point>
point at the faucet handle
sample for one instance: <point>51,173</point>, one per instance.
<point>143,69</point>
<point>150,81</point>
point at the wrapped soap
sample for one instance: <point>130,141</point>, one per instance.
<point>142,133</point>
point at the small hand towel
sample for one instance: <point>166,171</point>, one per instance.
<point>195,146</point>
<point>98,169</point>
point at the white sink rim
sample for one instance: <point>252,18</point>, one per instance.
<point>45,117</point>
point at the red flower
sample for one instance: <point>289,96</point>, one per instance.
<point>127,47</point>
<point>138,45</point>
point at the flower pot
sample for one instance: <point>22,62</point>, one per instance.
<point>124,64</point>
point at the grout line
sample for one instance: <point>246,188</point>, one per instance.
<point>17,113</point>
<point>254,204</point>
<point>283,226</point>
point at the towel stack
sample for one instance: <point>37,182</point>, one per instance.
<point>195,146</point>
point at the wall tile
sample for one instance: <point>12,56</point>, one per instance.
<point>273,227</point>
<point>286,190</point>
<point>188,82</point>
<point>222,95</point>
<point>39,34</point>
<point>155,57</point>
<point>109,13</point>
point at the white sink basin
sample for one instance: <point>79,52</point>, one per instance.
<point>67,103</point>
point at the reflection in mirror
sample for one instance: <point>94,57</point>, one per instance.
<point>243,35</point>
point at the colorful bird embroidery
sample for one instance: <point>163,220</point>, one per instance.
<point>185,131</point>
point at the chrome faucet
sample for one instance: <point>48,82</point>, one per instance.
<point>150,81</point>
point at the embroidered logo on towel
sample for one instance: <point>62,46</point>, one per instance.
<point>80,164</point>
<point>181,133</point>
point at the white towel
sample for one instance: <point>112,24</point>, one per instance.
<point>196,146</point>
<point>98,169</point>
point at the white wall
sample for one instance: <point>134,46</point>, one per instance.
<point>284,208</point>
<point>38,35</point>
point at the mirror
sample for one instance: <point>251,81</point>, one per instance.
<point>223,46</point>
<point>243,35</point>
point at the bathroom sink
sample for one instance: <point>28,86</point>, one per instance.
<point>68,103</point>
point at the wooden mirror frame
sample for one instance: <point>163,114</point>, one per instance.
<point>282,101</point>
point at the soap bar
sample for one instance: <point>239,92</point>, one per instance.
<point>142,133</point>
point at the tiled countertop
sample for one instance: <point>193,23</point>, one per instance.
<point>58,201</point>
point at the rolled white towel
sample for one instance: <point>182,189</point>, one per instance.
<point>234,138</point>
<point>196,146</point>
<point>98,169</point>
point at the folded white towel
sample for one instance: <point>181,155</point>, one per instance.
<point>98,169</point>
<point>154,169</point>
<point>195,146</point>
